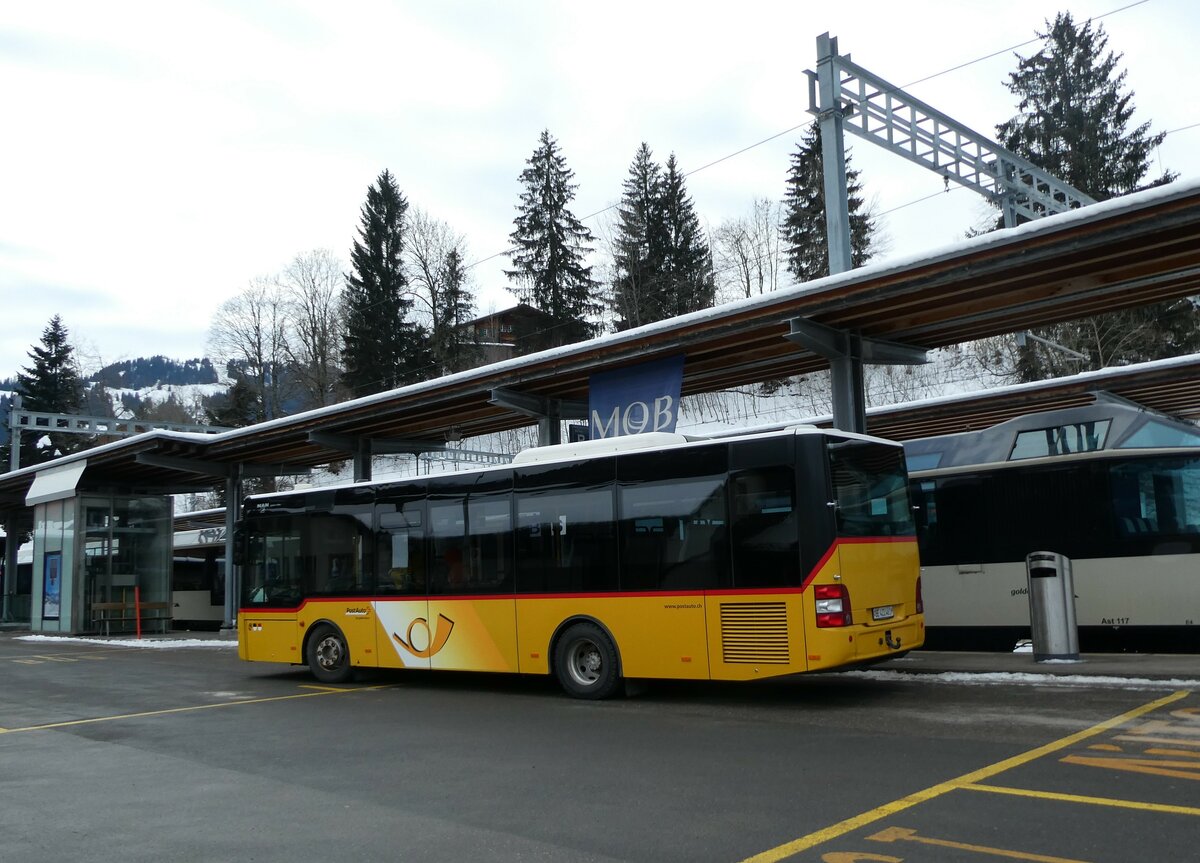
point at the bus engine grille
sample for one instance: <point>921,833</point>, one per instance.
<point>754,632</point>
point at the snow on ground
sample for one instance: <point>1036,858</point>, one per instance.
<point>186,394</point>
<point>152,643</point>
<point>1007,678</point>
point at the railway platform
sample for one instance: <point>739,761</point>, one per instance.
<point>1149,666</point>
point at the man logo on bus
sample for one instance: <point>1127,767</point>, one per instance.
<point>434,641</point>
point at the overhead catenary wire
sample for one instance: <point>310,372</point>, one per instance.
<point>794,128</point>
<point>799,126</point>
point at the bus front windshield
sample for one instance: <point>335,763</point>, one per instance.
<point>870,489</point>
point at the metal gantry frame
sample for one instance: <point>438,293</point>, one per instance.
<point>883,114</point>
<point>20,420</point>
<point>846,97</point>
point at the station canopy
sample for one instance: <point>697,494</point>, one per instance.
<point>1123,253</point>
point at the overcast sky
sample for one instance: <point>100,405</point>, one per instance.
<point>156,156</point>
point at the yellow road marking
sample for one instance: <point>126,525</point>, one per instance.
<point>1173,753</point>
<point>903,834</point>
<point>52,725</point>
<point>1152,766</point>
<point>850,824</point>
<point>1173,741</point>
<point>1090,801</point>
<point>38,660</point>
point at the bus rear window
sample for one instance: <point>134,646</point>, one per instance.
<point>870,489</point>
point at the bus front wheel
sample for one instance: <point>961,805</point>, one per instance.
<point>328,656</point>
<point>585,662</point>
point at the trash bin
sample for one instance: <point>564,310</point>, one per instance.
<point>1052,606</point>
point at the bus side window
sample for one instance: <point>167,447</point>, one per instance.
<point>766,549</point>
<point>450,562</point>
<point>490,526</point>
<point>924,494</point>
<point>333,556</point>
<point>400,550</point>
<point>674,534</point>
<point>565,540</point>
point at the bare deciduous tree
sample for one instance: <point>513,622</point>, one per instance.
<point>312,285</point>
<point>748,251</point>
<point>440,285</point>
<point>249,333</point>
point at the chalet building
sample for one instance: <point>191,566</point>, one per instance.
<point>512,332</point>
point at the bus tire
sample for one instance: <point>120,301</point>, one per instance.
<point>328,655</point>
<point>585,662</point>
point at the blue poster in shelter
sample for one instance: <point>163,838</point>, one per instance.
<point>635,399</point>
<point>51,585</point>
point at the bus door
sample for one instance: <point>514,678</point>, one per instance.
<point>272,580</point>
<point>472,622</point>
<point>401,604</point>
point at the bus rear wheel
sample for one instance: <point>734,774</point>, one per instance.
<point>585,662</point>
<point>328,655</point>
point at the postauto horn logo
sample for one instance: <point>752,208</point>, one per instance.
<point>435,640</point>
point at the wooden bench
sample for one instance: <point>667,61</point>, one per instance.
<point>123,613</point>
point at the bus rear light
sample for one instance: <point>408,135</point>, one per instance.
<point>920,601</point>
<point>833,604</point>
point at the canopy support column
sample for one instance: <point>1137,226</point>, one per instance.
<point>847,352</point>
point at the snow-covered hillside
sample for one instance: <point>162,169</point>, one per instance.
<point>188,396</point>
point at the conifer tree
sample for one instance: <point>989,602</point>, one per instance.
<point>663,264</point>
<point>451,345</point>
<point>640,245</point>
<point>1073,121</point>
<point>51,385</point>
<point>688,280</point>
<point>238,407</point>
<point>1074,113</point>
<point>804,228</point>
<point>551,247</point>
<point>381,348</point>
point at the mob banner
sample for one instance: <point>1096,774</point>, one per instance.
<point>635,399</point>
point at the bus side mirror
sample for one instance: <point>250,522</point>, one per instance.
<point>239,546</point>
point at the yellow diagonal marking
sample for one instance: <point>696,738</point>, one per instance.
<point>850,824</point>
<point>1151,766</point>
<point>1173,753</point>
<point>1172,741</point>
<point>1090,801</point>
<point>52,725</point>
<point>903,834</point>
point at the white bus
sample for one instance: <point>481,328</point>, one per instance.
<point>1113,487</point>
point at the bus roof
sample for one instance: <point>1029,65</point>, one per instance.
<point>582,450</point>
<point>1108,424</point>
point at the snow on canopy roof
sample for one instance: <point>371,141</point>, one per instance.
<point>816,288</point>
<point>1050,224</point>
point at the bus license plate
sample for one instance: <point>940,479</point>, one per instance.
<point>882,612</point>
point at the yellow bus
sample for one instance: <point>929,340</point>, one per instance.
<point>651,556</point>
